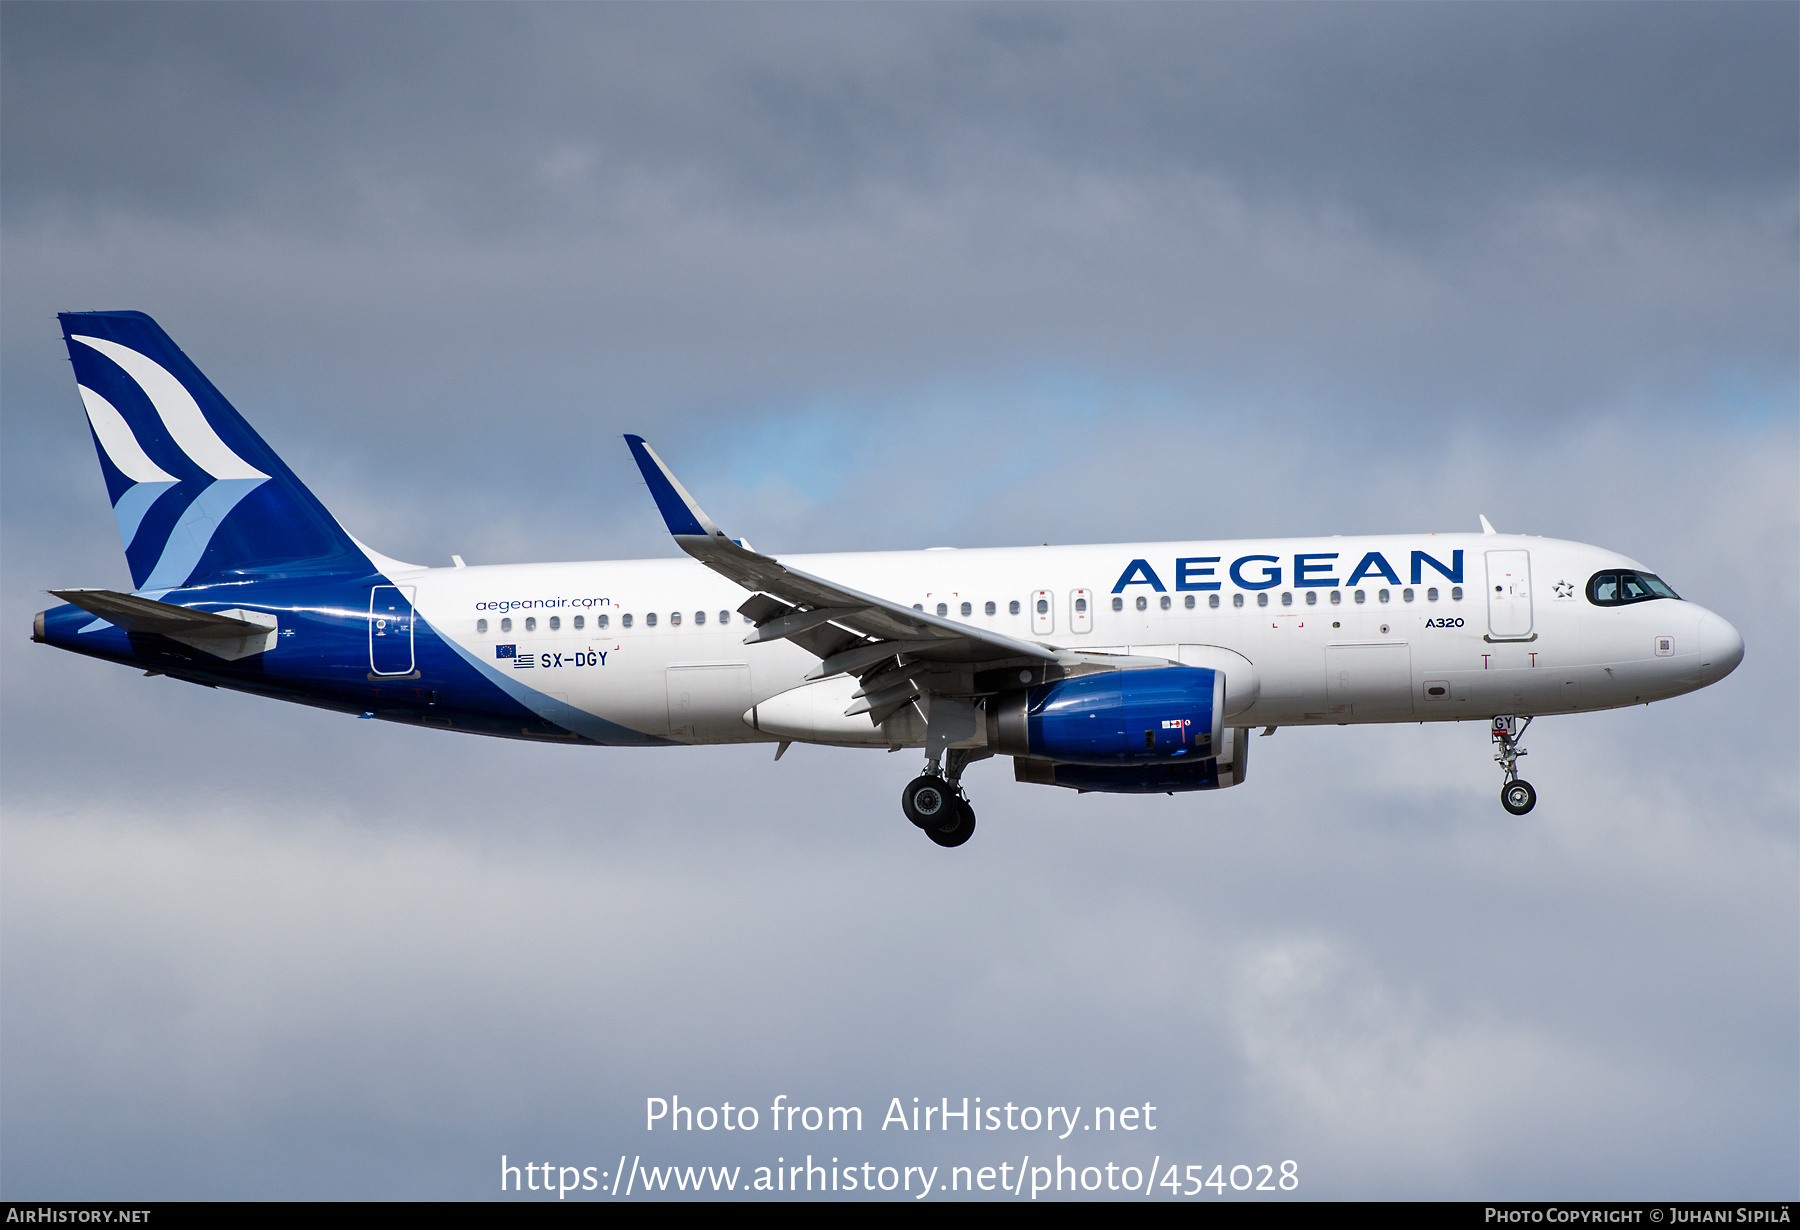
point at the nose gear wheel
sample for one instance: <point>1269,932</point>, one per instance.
<point>1518,797</point>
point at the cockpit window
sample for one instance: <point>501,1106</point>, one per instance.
<point>1622,588</point>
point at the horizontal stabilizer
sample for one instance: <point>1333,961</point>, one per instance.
<point>135,614</point>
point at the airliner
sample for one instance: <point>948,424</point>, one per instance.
<point>1126,668</point>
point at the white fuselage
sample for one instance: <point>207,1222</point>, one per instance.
<point>1515,634</point>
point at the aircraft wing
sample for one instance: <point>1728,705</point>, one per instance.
<point>803,604</point>
<point>135,614</point>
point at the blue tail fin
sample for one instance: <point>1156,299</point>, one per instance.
<point>196,492</point>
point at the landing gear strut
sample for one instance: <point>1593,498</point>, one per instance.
<point>937,804</point>
<point>1516,794</point>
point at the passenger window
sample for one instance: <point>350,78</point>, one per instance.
<point>1287,598</point>
<point>600,621</point>
<point>1237,600</point>
<point>1118,604</point>
<point>580,623</point>
<point>1312,597</point>
<point>555,623</point>
<point>1456,593</point>
<point>1043,606</point>
<point>967,609</point>
<point>650,620</point>
<point>626,621</point>
<point>1361,597</point>
<point>1143,604</point>
<point>724,617</point>
<point>918,606</point>
<point>481,627</point>
<point>1383,595</point>
<point>1188,602</point>
<point>506,624</point>
<point>1081,605</point>
<point>1406,595</point>
<point>1164,602</point>
<point>1212,600</point>
<point>988,609</point>
<point>674,619</point>
<point>1262,599</point>
<point>943,609</point>
<point>531,623</point>
<point>1012,608</point>
<point>1337,597</point>
<point>1431,594</point>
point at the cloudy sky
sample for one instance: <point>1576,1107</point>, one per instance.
<point>893,277</point>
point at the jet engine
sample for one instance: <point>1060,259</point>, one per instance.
<point>1143,731</point>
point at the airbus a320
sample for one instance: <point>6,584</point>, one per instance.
<point>1124,669</point>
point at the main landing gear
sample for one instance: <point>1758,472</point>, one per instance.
<point>937,804</point>
<point>1516,794</point>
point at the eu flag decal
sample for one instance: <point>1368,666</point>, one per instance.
<point>506,651</point>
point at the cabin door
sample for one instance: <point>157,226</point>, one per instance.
<point>391,630</point>
<point>1509,595</point>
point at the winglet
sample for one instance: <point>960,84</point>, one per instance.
<point>1485,527</point>
<point>683,516</point>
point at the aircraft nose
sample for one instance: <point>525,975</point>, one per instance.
<point>1721,646</point>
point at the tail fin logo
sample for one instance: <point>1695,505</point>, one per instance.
<point>231,478</point>
<point>178,410</point>
<point>196,492</point>
<point>148,479</point>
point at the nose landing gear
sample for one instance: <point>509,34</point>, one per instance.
<point>1516,794</point>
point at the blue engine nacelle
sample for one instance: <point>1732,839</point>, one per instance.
<point>1153,730</point>
<point>1114,718</point>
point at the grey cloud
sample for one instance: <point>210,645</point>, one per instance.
<point>389,994</point>
<point>394,377</point>
<point>892,277</point>
<point>490,115</point>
